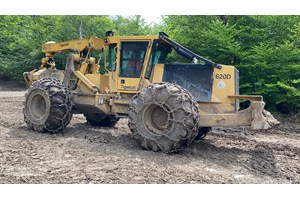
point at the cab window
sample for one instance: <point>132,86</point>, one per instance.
<point>112,57</point>
<point>159,55</point>
<point>132,58</point>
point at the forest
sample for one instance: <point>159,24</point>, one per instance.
<point>265,49</point>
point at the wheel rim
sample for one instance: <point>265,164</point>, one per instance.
<point>157,119</point>
<point>37,107</point>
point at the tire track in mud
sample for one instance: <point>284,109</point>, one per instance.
<point>270,154</point>
<point>84,154</point>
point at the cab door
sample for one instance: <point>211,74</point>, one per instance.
<point>132,60</point>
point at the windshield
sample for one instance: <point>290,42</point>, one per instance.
<point>132,58</point>
<point>158,56</point>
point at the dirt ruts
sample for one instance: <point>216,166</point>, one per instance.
<point>85,154</point>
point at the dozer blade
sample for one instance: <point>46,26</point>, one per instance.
<point>261,118</point>
<point>254,116</point>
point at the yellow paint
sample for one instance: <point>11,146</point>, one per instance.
<point>94,78</point>
<point>86,81</point>
<point>79,45</point>
<point>223,86</point>
<point>116,92</point>
<point>132,85</point>
<point>112,81</point>
<point>117,39</point>
<point>157,73</point>
<point>83,68</point>
<point>144,83</point>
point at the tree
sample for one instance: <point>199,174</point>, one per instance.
<point>265,49</point>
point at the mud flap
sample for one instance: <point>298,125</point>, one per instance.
<point>261,119</point>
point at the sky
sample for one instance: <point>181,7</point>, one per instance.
<point>150,19</point>
<point>155,19</point>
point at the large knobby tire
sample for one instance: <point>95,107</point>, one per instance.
<point>101,120</point>
<point>164,116</point>
<point>47,106</point>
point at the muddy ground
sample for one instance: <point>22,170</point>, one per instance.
<point>85,154</point>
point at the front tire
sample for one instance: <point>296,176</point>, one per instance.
<point>48,106</point>
<point>164,117</point>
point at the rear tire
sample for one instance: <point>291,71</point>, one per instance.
<point>101,120</point>
<point>48,106</point>
<point>164,117</point>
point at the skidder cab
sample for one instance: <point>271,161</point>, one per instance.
<point>168,104</point>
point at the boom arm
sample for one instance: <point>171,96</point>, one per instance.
<point>91,43</point>
<point>81,45</point>
<point>186,52</point>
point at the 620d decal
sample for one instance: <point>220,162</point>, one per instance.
<point>223,76</point>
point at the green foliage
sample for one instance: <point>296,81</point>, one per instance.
<point>271,67</point>
<point>205,35</point>
<point>265,49</point>
<point>132,25</point>
<point>21,37</point>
